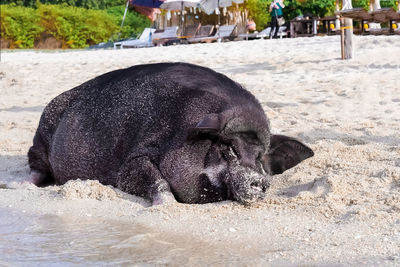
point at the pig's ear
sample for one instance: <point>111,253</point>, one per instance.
<point>209,126</point>
<point>284,153</point>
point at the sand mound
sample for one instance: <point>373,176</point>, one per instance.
<point>88,189</point>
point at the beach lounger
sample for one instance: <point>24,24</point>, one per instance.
<point>143,41</point>
<point>202,32</point>
<point>188,32</point>
<point>282,31</point>
<point>224,32</point>
<point>256,35</point>
<point>170,33</point>
<point>157,34</point>
<point>205,31</point>
<point>264,34</point>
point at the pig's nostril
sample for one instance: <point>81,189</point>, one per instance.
<point>255,184</point>
<point>264,188</point>
<point>258,186</point>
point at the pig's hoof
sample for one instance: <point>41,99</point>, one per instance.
<point>36,178</point>
<point>164,198</point>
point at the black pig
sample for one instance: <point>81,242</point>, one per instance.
<point>162,131</point>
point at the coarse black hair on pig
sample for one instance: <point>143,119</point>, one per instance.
<point>166,132</point>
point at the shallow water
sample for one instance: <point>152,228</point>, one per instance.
<point>49,240</point>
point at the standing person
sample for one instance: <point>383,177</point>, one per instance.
<point>276,12</point>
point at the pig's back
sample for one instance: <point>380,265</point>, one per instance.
<point>142,110</point>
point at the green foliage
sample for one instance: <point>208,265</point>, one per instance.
<point>389,3</point>
<point>384,3</point>
<point>89,4</point>
<point>319,8</point>
<point>19,26</point>
<point>292,10</point>
<point>76,27</point>
<point>134,22</point>
<point>361,3</point>
<point>258,11</point>
<point>26,3</point>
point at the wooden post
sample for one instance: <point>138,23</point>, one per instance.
<point>314,27</point>
<point>342,37</point>
<point>292,33</point>
<point>346,30</point>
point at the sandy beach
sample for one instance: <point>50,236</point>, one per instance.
<point>338,208</point>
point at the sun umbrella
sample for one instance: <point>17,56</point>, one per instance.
<point>180,5</point>
<point>209,6</point>
<point>147,7</point>
<point>147,3</point>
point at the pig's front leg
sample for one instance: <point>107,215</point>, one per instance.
<point>139,176</point>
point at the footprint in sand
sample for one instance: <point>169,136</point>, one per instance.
<point>351,141</point>
<point>12,125</point>
<point>397,163</point>
<point>13,82</point>
<point>317,187</point>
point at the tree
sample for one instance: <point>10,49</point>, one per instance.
<point>319,8</point>
<point>26,3</point>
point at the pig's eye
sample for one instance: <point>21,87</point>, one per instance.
<point>250,137</point>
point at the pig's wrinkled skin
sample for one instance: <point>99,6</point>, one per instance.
<point>162,131</point>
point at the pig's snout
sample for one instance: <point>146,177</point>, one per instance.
<point>260,186</point>
<point>249,187</point>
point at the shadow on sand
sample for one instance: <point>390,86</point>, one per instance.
<point>24,109</point>
<point>351,140</point>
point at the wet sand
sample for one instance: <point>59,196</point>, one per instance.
<point>340,207</point>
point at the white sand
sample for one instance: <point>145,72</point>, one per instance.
<point>340,207</point>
